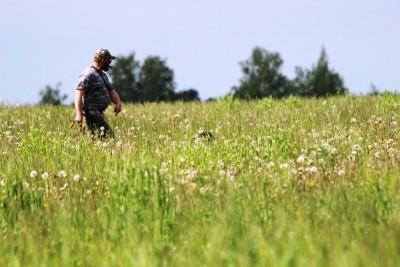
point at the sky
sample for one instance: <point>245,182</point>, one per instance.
<point>46,42</point>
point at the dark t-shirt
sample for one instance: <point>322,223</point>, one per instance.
<point>96,95</point>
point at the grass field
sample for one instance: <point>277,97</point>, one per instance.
<point>294,182</point>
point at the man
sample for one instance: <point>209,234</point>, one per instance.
<point>93,95</point>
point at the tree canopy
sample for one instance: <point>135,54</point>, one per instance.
<point>52,96</point>
<point>261,76</point>
<point>320,81</point>
<point>125,77</point>
<point>156,80</point>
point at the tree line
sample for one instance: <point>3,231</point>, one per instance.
<point>153,80</point>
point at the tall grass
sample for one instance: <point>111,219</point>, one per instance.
<point>294,182</point>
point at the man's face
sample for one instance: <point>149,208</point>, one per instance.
<point>105,64</point>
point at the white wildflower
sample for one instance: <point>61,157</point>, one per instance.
<point>341,172</point>
<point>221,164</point>
<point>45,176</point>
<point>333,151</point>
<point>301,159</point>
<point>313,169</point>
<point>231,176</point>
<point>77,177</point>
<point>33,173</point>
<point>284,166</point>
<point>62,174</point>
<point>270,164</point>
<point>164,165</point>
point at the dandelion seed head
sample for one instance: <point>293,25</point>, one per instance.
<point>221,164</point>
<point>77,177</point>
<point>301,159</point>
<point>284,166</point>
<point>270,164</point>
<point>62,174</point>
<point>313,169</point>
<point>45,176</point>
<point>33,173</point>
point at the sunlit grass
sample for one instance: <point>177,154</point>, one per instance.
<point>294,182</point>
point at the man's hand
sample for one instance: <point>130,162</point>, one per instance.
<point>79,119</point>
<point>117,101</point>
<point>117,108</point>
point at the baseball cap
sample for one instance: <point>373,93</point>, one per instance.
<point>103,53</point>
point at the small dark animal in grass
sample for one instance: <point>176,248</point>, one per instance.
<point>204,134</point>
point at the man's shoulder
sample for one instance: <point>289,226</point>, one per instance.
<point>88,71</point>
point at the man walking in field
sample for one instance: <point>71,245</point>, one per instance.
<point>93,95</point>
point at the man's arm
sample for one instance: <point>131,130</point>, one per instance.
<point>117,101</point>
<point>78,106</point>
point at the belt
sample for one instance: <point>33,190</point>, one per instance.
<point>94,112</point>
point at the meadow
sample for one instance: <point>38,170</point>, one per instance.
<point>291,182</point>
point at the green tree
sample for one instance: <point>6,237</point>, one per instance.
<point>125,78</point>
<point>261,76</point>
<point>187,95</point>
<point>156,80</point>
<point>52,96</point>
<point>320,81</point>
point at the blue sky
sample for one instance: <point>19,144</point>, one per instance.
<point>44,42</point>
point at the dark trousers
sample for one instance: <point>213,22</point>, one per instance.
<point>97,124</point>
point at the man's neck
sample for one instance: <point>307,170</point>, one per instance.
<point>96,65</point>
